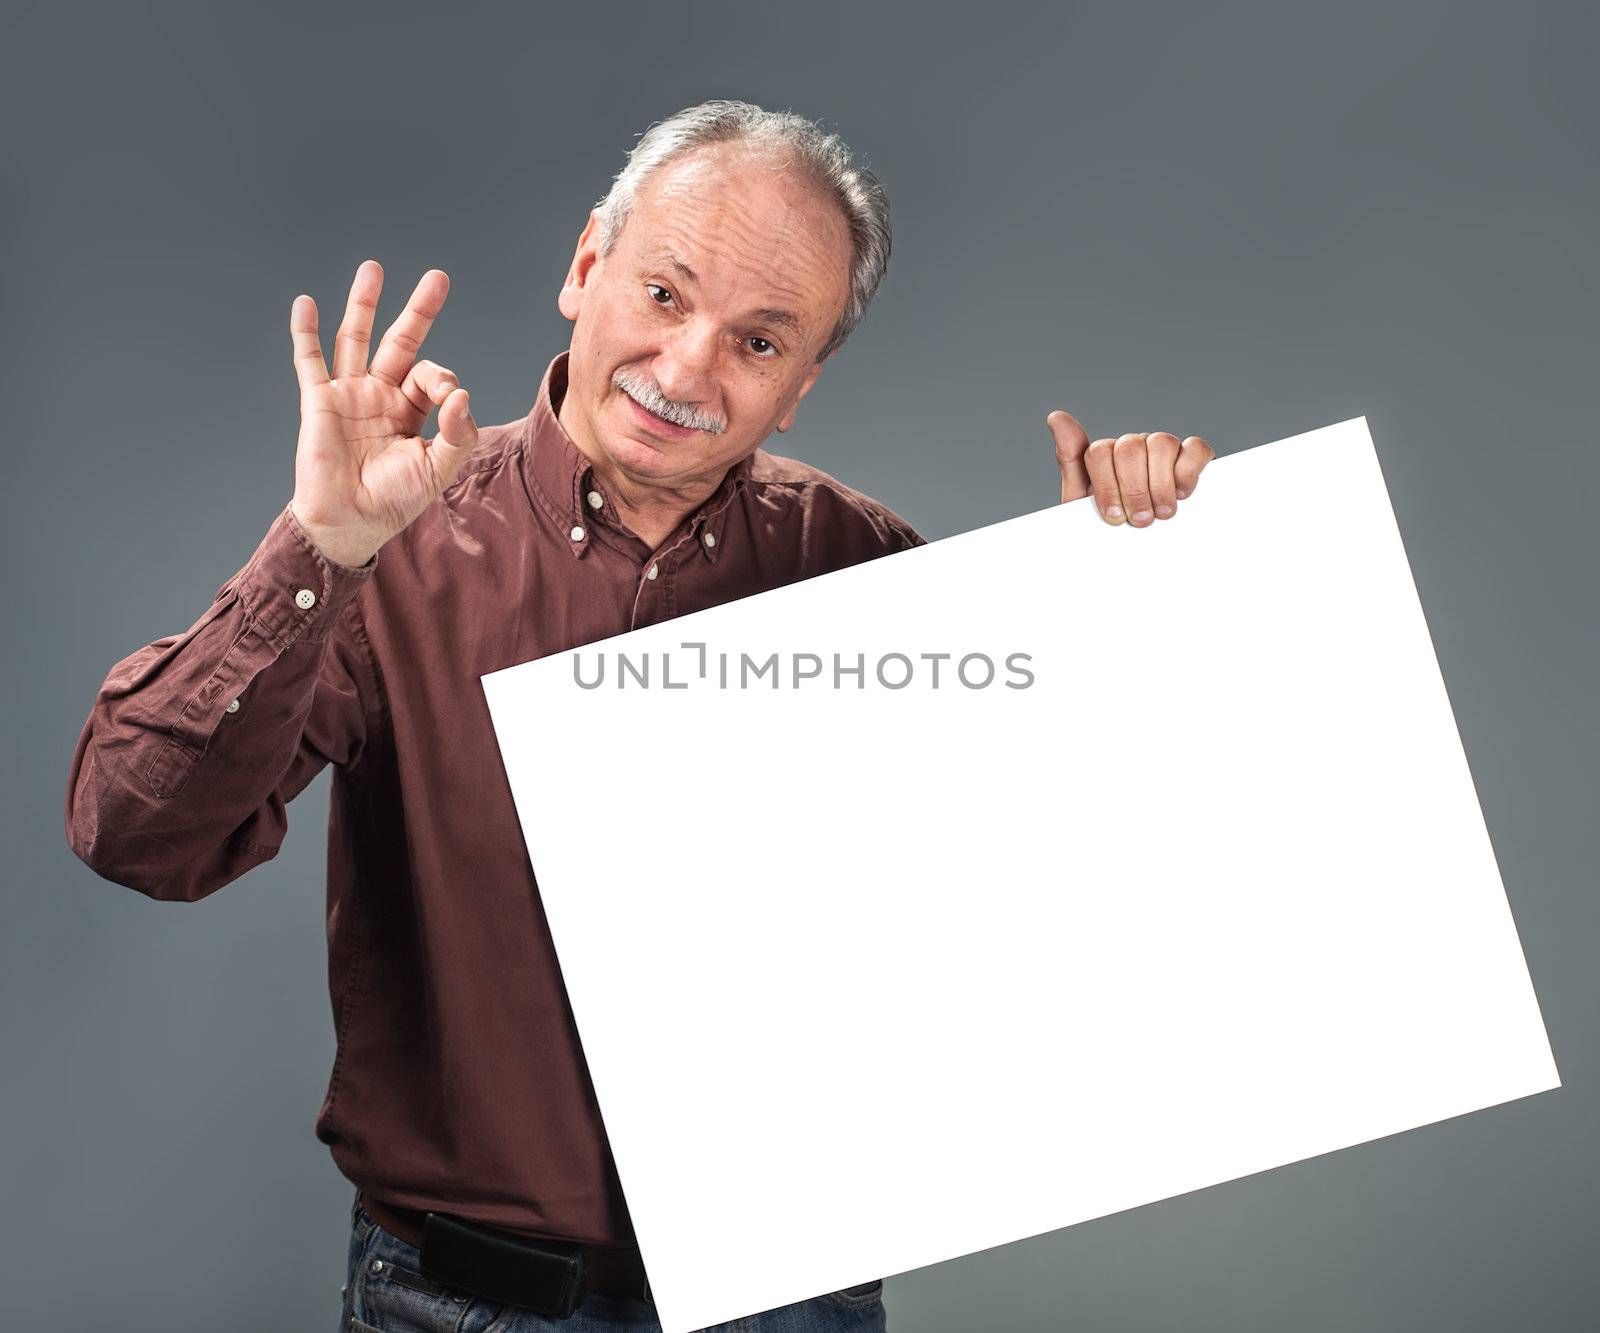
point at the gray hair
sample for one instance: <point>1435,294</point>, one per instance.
<point>828,160</point>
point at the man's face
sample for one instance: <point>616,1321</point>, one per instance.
<point>712,308</point>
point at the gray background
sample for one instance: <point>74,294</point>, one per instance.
<point>1241,224</point>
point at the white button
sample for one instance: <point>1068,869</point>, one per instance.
<point>596,499</point>
<point>234,706</point>
<point>576,534</point>
<point>652,571</point>
<point>305,599</point>
<point>710,539</point>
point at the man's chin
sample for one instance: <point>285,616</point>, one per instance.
<point>641,455</point>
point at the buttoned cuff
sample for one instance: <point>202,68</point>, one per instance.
<point>291,589</point>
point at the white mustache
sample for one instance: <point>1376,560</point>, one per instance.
<point>649,396</point>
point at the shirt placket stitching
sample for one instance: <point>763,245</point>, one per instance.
<point>668,563</point>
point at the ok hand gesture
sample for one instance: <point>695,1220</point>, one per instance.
<point>362,471</point>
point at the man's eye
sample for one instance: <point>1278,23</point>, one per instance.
<point>653,288</point>
<point>762,348</point>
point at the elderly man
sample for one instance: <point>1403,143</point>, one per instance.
<point>733,255</point>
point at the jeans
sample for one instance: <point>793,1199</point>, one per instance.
<point>385,1289</point>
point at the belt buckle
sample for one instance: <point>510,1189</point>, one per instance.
<point>545,1276</point>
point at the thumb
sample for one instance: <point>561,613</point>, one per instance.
<point>1071,440</point>
<point>457,437</point>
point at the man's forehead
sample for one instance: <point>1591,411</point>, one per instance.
<point>789,271</point>
<point>708,166</point>
<point>752,200</point>
<point>749,219</point>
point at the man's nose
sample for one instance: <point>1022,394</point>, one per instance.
<point>685,368</point>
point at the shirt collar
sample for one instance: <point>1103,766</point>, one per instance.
<point>559,479</point>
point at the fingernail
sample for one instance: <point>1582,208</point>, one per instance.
<point>1114,513</point>
<point>1164,510</point>
<point>1143,516</point>
<point>1182,494</point>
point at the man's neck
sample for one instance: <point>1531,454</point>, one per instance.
<point>652,512</point>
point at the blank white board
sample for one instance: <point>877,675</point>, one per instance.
<point>870,977</point>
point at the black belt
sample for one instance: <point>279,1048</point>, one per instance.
<point>548,1276</point>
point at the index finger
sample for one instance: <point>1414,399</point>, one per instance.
<point>1098,460</point>
<point>404,337</point>
<point>309,367</point>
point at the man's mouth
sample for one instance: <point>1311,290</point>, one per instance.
<point>660,426</point>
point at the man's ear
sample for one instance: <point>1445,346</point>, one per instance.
<point>788,417</point>
<point>584,258</point>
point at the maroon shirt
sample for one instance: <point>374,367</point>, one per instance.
<point>459,1084</point>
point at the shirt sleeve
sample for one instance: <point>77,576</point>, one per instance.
<point>196,743</point>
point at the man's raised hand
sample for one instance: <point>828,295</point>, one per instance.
<point>362,470</point>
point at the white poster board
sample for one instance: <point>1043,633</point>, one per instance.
<point>869,977</point>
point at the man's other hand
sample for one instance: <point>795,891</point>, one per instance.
<point>1135,478</point>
